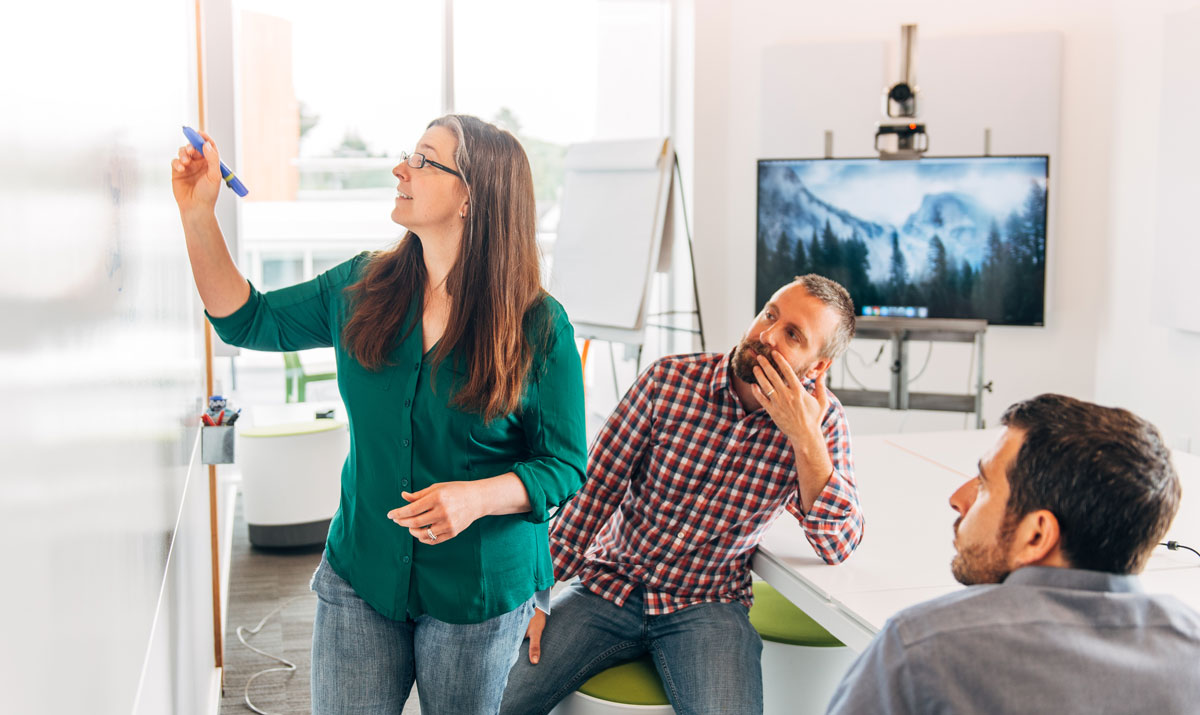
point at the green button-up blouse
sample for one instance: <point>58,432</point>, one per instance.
<point>405,436</point>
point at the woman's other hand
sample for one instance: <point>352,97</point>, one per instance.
<point>440,512</point>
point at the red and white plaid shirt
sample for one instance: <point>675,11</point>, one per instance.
<point>682,483</point>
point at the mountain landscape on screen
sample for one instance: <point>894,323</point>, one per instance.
<point>961,237</point>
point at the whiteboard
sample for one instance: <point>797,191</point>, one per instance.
<point>102,505</point>
<point>616,200</point>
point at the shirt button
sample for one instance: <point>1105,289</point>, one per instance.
<point>407,559</point>
<point>407,403</point>
<point>404,482</point>
<point>416,366</point>
<point>405,443</point>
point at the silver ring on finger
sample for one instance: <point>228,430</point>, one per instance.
<point>432,536</point>
<point>768,395</point>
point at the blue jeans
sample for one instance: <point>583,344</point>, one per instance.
<point>365,663</point>
<point>709,656</point>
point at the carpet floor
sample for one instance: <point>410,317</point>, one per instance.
<point>260,580</point>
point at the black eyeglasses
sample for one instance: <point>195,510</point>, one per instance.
<point>418,161</point>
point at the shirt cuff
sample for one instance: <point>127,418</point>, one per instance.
<point>541,601</point>
<point>538,512</point>
<point>567,561</point>
<point>237,321</point>
<point>833,504</point>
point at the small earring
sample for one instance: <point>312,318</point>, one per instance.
<point>462,214</point>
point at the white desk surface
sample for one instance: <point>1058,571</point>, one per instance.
<point>905,483</point>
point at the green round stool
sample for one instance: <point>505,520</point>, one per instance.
<point>802,663</point>
<point>624,689</point>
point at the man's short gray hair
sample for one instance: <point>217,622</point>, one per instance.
<point>832,294</point>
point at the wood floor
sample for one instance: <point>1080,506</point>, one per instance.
<point>259,581</point>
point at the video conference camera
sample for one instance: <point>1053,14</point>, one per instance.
<point>903,139</point>
<point>910,140</point>
<point>900,100</point>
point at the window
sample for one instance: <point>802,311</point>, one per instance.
<point>328,99</point>
<point>324,260</point>
<point>281,271</point>
<point>330,95</point>
<point>555,73</point>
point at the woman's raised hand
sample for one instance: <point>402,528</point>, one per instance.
<point>196,177</point>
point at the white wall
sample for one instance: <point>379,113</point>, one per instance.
<point>1151,369</point>
<point>1062,357</point>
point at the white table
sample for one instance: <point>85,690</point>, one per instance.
<point>905,483</point>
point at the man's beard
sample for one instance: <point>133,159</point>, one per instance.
<point>745,358</point>
<point>983,563</point>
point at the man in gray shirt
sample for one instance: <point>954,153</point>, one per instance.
<point>1064,512</point>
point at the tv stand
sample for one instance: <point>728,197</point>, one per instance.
<point>899,331</point>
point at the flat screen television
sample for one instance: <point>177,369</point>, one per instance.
<point>945,237</point>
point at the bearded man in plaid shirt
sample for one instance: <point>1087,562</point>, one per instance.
<point>700,457</point>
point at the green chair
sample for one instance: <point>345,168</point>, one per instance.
<point>632,688</point>
<point>778,620</point>
<point>802,663</point>
<point>295,379</point>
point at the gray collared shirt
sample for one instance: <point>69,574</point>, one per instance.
<point>1047,640</point>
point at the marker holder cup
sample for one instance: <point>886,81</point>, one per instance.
<point>216,444</point>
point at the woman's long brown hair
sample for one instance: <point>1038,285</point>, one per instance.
<point>493,285</point>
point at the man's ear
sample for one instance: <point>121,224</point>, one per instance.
<point>818,369</point>
<point>1037,541</point>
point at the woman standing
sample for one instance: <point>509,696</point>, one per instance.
<point>465,400</point>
